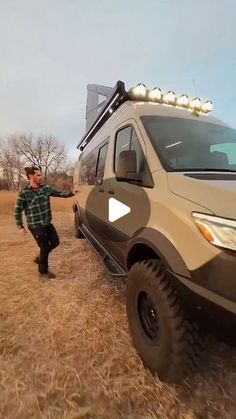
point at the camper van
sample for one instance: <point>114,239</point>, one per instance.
<point>157,180</point>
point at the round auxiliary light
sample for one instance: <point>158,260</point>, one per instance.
<point>139,90</point>
<point>169,97</point>
<point>195,103</point>
<point>207,106</point>
<point>155,94</point>
<point>183,100</point>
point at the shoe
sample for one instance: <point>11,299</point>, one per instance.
<point>47,276</point>
<point>36,260</point>
<point>51,275</point>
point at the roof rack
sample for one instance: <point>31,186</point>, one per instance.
<point>116,97</point>
<point>98,113</point>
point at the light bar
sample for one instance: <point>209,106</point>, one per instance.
<point>141,93</point>
<point>195,103</point>
<point>207,106</point>
<point>169,97</point>
<point>139,90</point>
<point>155,94</point>
<point>183,100</point>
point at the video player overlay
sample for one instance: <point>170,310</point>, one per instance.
<point>117,210</point>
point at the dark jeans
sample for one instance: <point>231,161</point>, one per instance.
<point>47,239</point>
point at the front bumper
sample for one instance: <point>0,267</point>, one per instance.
<point>218,276</point>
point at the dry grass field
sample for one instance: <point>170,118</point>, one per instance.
<point>65,350</point>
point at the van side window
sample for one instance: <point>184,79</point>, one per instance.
<point>101,161</point>
<point>88,168</point>
<point>122,142</point>
<point>93,164</point>
<point>227,151</point>
<point>135,145</point>
<point>127,139</point>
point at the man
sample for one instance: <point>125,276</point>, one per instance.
<point>34,200</point>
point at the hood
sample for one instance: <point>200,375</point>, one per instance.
<point>213,190</point>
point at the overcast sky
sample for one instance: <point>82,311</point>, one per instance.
<point>51,49</point>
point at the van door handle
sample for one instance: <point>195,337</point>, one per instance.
<point>101,190</point>
<point>111,192</point>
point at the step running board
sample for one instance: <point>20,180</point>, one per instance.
<point>112,266</point>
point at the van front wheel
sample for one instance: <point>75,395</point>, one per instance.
<point>163,337</point>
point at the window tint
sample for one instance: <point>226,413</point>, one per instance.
<point>185,144</point>
<point>127,139</point>
<point>135,145</point>
<point>227,148</point>
<point>122,142</point>
<point>88,168</point>
<point>92,165</point>
<point>101,161</point>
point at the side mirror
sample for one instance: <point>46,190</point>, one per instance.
<point>127,166</point>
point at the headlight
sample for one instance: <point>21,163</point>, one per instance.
<point>218,231</point>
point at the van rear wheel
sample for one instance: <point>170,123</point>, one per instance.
<point>163,337</point>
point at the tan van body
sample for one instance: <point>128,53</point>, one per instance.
<point>173,233</point>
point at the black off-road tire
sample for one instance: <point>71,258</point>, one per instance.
<point>164,338</point>
<point>78,234</point>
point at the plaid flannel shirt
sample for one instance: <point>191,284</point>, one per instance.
<point>36,206</point>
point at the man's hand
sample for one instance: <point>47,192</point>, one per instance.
<point>73,193</point>
<point>22,231</point>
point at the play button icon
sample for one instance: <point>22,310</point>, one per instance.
<point>117,210</point>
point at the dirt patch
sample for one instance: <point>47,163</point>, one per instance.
<point>65,350</point>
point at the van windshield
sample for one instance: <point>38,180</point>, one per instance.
<point>185,145</point>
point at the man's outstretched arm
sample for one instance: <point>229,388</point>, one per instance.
<point>60,194</point>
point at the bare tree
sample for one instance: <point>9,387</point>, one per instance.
<point>12,165</point>
<point>43,151</point>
